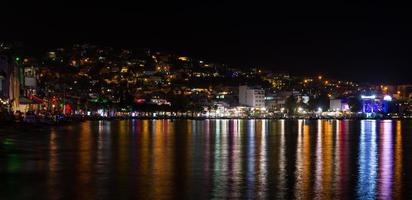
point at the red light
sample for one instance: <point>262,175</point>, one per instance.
<point>139,101</point>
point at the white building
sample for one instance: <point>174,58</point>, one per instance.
<point>252,97</point>
<point>339,105</point>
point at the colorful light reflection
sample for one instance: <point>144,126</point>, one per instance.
<point>367,160</point>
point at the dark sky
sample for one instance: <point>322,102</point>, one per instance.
<point>364,42</point>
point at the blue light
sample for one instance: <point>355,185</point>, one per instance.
<point>367,161</point>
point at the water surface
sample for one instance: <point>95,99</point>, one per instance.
<point>208,159</point>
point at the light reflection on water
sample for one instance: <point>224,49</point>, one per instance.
<point>397,191</point>
<point>367,160</point>
<point>210,159</point>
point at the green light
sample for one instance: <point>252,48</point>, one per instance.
<point>17,58</point>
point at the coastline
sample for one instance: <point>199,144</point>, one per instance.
<point>70,121</point>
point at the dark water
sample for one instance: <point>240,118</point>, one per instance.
<point>220,159</point>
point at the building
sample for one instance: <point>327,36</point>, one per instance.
<point>339,105</point>
<point>9,84</point>
<point>372,104</point>
<point>252,97</point>
<point>4,77</point>
<point>276,103</point>
<point>403,92</point>
<point>28,89</point>
<point>279,80</point>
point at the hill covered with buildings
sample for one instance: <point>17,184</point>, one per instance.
<point>93,80</point>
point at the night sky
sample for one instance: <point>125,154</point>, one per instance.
<point>367,42</point>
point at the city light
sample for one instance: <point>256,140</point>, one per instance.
<point>208,100</point>
<point>150,86</point>
<point>183,58</point>
<point>368,97</point>
<point>387,98</point>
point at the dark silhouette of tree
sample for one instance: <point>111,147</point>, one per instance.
<point>291,103</point>
<point>322,101</point>
<point>180,103</point>
<point>355,104</point>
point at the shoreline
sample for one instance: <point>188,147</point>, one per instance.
<point>75,120</point>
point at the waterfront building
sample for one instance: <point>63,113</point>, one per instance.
<point>371,104</point>
<point>251,96</point>
<point>28,89</point>
<point>9,84</point>
<point>275,103</point>
<point>339,105</point>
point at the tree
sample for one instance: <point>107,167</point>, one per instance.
<point>291,103</point>
<point>354,104</point>
<point>321,101</point>
<point>179,103</point>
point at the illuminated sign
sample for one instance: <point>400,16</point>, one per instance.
<point>368,97</point>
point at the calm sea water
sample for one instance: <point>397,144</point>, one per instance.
<point>209,159</point>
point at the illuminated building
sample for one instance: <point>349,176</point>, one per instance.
<point>403,91</point>
<point>9,84</point>
<point>252,97</point>
<point>371,104</point>
<point>339,105</point>
<point>4,72</point>
<point>278,81</point>
<point>28,83</point>
<point>277,102</point>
